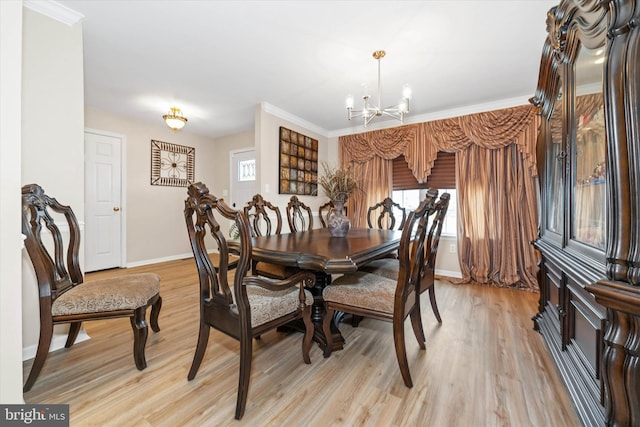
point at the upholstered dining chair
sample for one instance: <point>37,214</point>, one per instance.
<point>384,211</point>
<point>299,215</point>
<point>390,268</point>
<point>371,295</point>
<point>265,219</point>
<point>255,304</point>
<point>65,298</point>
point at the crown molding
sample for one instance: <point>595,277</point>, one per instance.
<point>284,115</point>
<point>439,115</point>
<point>55,10</point>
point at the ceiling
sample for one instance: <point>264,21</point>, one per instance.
<point>218,60</point>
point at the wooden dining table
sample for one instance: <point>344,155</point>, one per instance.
<point>316,250</point>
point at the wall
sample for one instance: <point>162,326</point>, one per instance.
<point>268,146</point>
<point>52,130</point>
<point>11,242</point>
<point>154,214</point>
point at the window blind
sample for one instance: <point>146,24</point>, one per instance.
<point>443,173</point>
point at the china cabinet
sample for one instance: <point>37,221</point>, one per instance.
<point>589,169</point>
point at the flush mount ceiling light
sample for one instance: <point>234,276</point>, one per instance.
<point>174,119</point>
<point>368,111</point>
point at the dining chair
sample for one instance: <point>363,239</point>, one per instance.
<point>64,296</point>
<point>385,215</point>
<point>265,219</point>
<point>371,295</point>
<point>255,304</point>
<point>323,212</point>
<point>299,215</point>
<point>390,268</point>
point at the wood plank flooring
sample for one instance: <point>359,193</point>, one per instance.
<point>484,366</point>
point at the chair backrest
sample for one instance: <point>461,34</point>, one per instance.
<point>386,217</point>
<point>203,212</point>
<point>55,259</point>
<point>260,222</point>
<point>440,211</point>
<point>323,213</point>
<point>411,255</point>
<point>299,215</point>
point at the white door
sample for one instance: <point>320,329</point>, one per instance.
<point>243,177</point>
<point>103,207</point>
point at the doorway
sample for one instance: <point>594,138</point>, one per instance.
<point>243,184</point>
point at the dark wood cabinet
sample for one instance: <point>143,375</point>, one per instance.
<point>589,171</point>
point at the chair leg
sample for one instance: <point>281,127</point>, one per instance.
<point>140,331</point>
<point>155,313</point>
<point>201,347</point>
<point>308,334</point>
<point>326,328</point>
<point>416,324</point>
<point>434,305</point>
<point>401,352</point>
<point>246,350</point>
<point>74,329</point>
<point>44,342</point>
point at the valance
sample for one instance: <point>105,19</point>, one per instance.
<point>420,143</point>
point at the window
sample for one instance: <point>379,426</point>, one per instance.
<point>408,192</point>
<point>410,199</point>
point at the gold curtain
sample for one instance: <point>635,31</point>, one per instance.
<point>512,134</point>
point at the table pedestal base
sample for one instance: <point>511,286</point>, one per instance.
<point>317,314</point>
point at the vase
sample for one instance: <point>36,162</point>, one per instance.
<point>337,222</point>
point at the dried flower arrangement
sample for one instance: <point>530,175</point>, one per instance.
<point>337,183</point>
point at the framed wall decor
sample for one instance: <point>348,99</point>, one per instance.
<point>172,165</point>
<point>298,163</point>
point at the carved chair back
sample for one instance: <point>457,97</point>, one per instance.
<point>323,212</point>
<point>385,215</point>
<point>299,215</point>
<point>59,270</point>
<point>433,239</point>
<point>260,213</point>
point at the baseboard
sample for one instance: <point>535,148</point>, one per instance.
<point>57,342</point>
<point>449,273</point>
<point>157,260</point>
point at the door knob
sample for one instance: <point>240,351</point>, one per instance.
<point>116,209</point>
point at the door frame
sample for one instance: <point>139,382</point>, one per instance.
<point>123,189</point>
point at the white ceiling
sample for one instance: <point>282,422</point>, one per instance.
<point>217,60</point>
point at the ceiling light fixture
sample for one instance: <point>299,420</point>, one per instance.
<point>174,119</point>
<point>368,111</point>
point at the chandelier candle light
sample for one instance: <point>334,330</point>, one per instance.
<point>369,111</point>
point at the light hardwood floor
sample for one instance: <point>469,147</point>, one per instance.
<point>484,366</point>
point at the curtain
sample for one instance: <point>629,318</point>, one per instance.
<point>497,206</point>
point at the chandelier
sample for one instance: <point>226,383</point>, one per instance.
<point>369,111</point>
<point>174,119</point>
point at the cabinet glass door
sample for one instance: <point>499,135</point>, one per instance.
<point>589,151</point>
<point>555,168</point>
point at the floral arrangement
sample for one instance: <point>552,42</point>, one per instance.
<point>338,183</point>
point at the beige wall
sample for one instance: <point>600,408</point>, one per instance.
<point>268,146</point>
<point>52,131</point>
<point>154,214</point>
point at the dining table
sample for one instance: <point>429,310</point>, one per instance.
<point>318,251</point>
